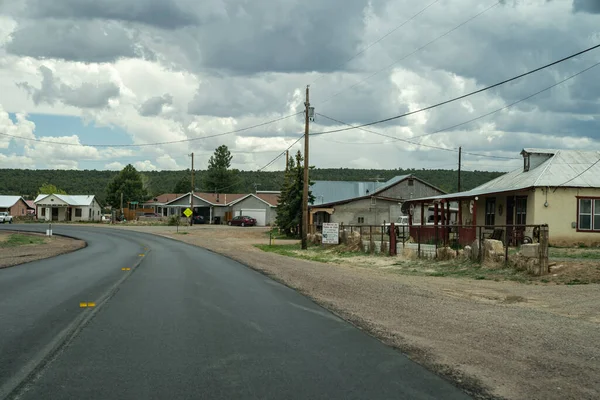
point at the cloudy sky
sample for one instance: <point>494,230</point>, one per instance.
<point>85,82</point>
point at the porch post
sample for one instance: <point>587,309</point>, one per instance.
<point>448,214</point>
<point>475,211</point>
<point>435,215</point>
<point>459,221</point>
<point>422,213</point>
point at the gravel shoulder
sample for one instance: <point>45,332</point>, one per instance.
<point>493,339</point>
<point>42,247</point>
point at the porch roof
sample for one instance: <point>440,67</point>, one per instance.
<point>467,194</point>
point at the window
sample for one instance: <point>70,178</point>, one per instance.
<point>78,212</point>
<point>490,211</point>
<point>22,211</point>
<point>411,182</point>
<point>89,213</point>
<point>521,210</point>
<point>43,211</point>
<point>589,215</point>
<point>361,220</point>
<point>526,163</point>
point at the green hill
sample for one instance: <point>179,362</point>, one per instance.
<point>26,182</point>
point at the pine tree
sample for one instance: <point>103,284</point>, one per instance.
<point>219,178</point>
<point>289,210</point>
<point>129,182</point>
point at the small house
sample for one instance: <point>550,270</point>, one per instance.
<point>64,208</point>
<point>14,205</point>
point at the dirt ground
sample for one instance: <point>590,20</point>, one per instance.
<point>494,339</point>
<point>54,246</point>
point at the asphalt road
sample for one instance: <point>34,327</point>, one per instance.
<point>183,323</point>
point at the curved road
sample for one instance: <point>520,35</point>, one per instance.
<point>183,323</point>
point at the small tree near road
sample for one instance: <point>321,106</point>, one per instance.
<point>129,182</point>
<point>289,210</point>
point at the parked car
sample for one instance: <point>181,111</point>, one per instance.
<point>242,220</point>
<point>152,215</point>
<point>198,219</point>
<point>5,217</point>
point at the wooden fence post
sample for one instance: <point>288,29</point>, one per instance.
<point>544,236</point>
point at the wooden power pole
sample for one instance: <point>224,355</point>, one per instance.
<point>192,196</point>
<point>305,186</point>
<point>459,166</point>
<point>287,159</point>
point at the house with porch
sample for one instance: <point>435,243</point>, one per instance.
<point>365,203</point>
<point>158,203</point>
<point>14,205</point>
<point>62,207</point>
<point>560,188</point>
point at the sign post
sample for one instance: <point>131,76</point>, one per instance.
<point>331,233</point>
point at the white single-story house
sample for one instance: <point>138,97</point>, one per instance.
<point>62,207</point>
<point>558,188</point>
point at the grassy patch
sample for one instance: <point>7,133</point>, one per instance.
<point>275,234</point>
<point>574,253</point>
<point>334,254</point>
<point>17,239</point>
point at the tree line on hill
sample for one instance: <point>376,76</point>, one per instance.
<point>218,177</point>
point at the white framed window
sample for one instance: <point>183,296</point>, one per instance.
<point>588,218</point>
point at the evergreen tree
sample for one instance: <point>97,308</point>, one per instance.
<point>219,178</point>
<point>129,182</point>
<point>184,185</point>
<point>289,210</point>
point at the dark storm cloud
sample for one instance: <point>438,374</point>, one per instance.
<point>85,96</point>
<point>154,105</point>
<point>590,6</point>
<point>166,14</point>
<point>90,41</point>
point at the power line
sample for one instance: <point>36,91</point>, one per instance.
<point>509,105</point>
<point>381,38</point>
<point>410,54</point>
<point>454,150</point>
<point>156,143</point>
<point>465,95</point>
<point>578,175</point>
<point>483,115</point>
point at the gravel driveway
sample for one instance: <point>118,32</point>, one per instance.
<point>493,339</point>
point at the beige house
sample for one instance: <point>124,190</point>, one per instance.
<point>560,188</point>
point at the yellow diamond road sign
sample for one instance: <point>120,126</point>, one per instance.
<point>188,213</point>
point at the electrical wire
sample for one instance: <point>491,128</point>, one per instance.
<point>454,150</point>
<point>156,143</point>
<point>483,115</point>
<point>463,96</point>
<point>410,54</point>
<point>380,39</point>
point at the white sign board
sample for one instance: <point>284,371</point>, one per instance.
<point>331,233</point>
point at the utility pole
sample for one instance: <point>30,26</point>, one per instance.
<point>459,163</point>
<point>305,188</point>
<point>287,160</point>
<point>121,204</point>
<point>192,196</point>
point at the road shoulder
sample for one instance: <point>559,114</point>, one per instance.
<point>22,247</point>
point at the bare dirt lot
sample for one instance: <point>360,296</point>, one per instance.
<point>504,339</point>
<point>18,248</point>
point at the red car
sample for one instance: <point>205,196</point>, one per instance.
<point>241,220</point>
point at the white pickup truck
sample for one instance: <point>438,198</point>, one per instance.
<point>5,217</point>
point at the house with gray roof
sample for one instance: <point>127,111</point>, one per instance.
<point>560,188</point>
<point>365,203</point>
<point>63,207</point>
<point>14,205</point>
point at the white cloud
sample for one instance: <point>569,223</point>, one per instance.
<point>167,162</point>
<point>145,165</point>
<point>15,161</point>
<point>21,128</point>
<point>115,166</point>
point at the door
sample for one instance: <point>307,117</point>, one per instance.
<point>54,214</point>
<point>259,215</point>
